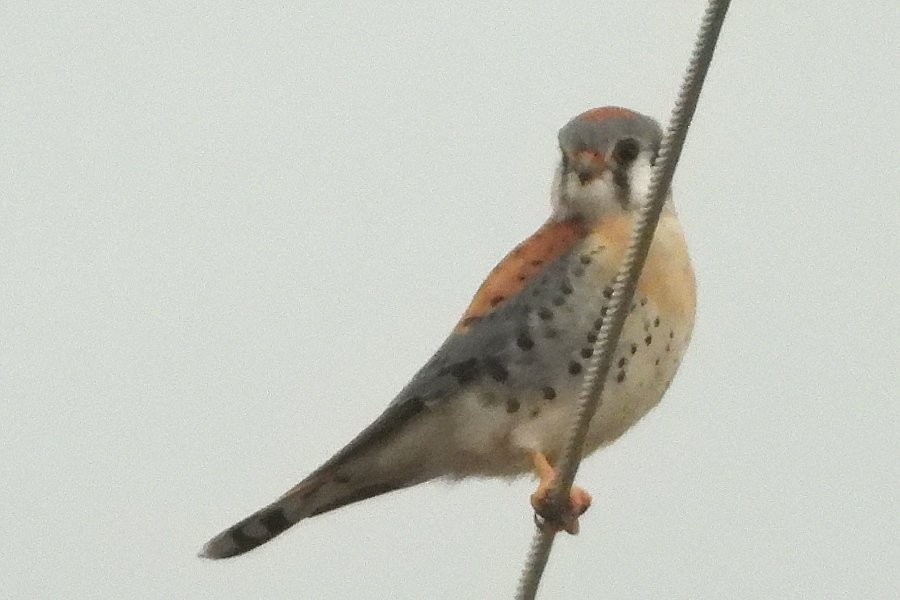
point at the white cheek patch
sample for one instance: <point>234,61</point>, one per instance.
<point>640,178</point>
<point>600,196</point>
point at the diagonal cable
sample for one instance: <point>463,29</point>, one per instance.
<point>625,284</point>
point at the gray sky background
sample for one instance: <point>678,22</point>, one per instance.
<point>229,234</point>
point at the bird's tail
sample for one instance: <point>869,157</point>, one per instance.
<point>374,463</point>
<point>321,492</point>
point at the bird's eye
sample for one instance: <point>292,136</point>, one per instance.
<point>626,150</point>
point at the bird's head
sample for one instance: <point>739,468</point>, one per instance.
<point>605,165</point>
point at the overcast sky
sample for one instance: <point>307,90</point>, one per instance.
<point>229,234</point>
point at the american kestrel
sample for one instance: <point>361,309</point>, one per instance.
<point>498,397</point>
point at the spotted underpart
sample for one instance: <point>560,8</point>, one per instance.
<point>542,339</point>
<point>522,370</point>
<point>504,384</point>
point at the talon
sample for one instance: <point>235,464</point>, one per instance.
<point>547,513</point>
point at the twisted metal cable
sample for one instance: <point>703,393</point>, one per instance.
<point>623,290</point>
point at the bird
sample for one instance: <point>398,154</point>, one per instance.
<point>498,397</point>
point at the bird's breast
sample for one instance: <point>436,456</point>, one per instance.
<point>667,277</point>
<point>532,328</point>
<point>564,306</point>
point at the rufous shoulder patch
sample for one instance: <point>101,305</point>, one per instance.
<point>517,268</point>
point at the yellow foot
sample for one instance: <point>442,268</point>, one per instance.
<point>547,513</point>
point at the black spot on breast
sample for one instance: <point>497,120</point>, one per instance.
<point>465,371</point>
<point>622,362</point>
<point>607,292</point>
<point>578,271</point>
<point>545,313</point>
<point>495,368</point>
<point>656,362</point>
<point>620,377</point>
<point>656,322</point>
<point>535,412</point>
<point>587,352</point>
<point>549,393</point>
<point>598,323</point>
<point>524,342</point>
<point>648,340</point>
<point>634,348</point>
<point>512,405</point>
<point>585,259</point>
<point>574,368</point>
<point>671,334</point>
<point>566,288</point>
<point>591,337</point>
<point>644,301</point>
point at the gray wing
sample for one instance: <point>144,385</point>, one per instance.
<point>497,350</point>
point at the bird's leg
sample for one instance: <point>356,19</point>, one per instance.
<point>561,518</point>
